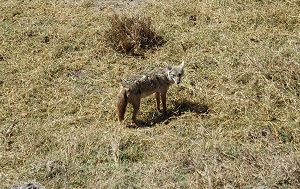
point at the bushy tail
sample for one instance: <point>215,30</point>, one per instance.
<point>122,103</point>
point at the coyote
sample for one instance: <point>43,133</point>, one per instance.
<point>156,81</point>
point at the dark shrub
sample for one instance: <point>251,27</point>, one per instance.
<point>132,35</point>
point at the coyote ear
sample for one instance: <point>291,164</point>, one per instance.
<point>182,64</point>
<point>167,66</point>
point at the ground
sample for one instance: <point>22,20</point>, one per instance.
<point>59,82</point>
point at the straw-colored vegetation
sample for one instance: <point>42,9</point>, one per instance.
<point>132,35</point>
<point>59,80</point>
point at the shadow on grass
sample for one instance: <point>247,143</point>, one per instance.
<point>179,107</point>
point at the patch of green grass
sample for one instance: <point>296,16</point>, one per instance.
<point>233,121</point>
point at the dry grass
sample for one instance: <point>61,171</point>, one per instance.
<point>132,35</point>
<point>234,120</point>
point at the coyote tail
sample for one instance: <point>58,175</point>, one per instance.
<point>122,103</point>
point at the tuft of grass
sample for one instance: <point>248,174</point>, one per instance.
<point>132,35</point>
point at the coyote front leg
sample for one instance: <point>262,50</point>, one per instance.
<point>164,101</point>
<point>157,95</point>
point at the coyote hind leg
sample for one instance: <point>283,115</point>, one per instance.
<point>121,106</point>
<point>136,107</point>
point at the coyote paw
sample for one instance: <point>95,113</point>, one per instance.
<point>134,124</point>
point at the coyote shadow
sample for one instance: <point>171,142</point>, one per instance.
<point>179,107</point>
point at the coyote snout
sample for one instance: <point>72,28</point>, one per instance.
<point>157,81</point>
<point>177,80</point>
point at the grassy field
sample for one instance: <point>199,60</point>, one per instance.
<point>59,81</point>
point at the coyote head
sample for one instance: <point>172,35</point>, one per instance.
<point>175,72</point>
